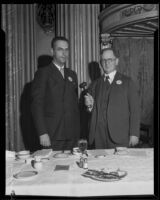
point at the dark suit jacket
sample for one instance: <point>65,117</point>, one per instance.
<point>55,103</point>
<point>123,113</point>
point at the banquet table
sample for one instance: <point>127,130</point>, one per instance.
<point>138,163</point>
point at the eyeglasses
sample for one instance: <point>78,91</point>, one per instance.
<point>109,60</point>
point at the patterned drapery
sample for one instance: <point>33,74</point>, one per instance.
<point>136,59</point>
<point>18,23</point>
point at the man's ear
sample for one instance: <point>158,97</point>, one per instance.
<point>52,52</point>
<point>101,68</point>
<point>117,61</point>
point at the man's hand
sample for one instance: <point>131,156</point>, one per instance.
<point>133,141</point>
<point>89,101</point>
<point>45,140</point>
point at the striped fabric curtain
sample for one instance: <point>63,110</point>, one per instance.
<point>79,23</point>
<point>18,23</point>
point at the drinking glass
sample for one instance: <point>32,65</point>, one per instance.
<point>82,144</point>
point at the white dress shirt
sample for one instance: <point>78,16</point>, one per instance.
<point>111,76</point>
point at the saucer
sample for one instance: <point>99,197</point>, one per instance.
<point>61,155</point>
<point>23,154</point>
<point>25,175</point>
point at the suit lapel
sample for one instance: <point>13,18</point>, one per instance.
<point>55,73</point>
<point>117,77</point>
<point>115,86</point>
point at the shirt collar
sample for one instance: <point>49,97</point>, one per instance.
<point>111,75</point>
<point>58,66</point>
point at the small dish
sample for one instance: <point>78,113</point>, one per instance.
<point>23,154</point>
<point>25,175</point>
<point>44,159</point>
<point>76,149</point>
<point>61,155</point>
<point>100,156</point>
<point>121,148</point>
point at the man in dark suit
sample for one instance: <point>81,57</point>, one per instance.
<point>55,100</point>
<point>114,105</point>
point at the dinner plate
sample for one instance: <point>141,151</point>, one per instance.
<point>121,153</point>
<point>25,175</point>
<point>61,155</point>
<point>76,149</point>
<point>43,153</point>
<point>100,156</point>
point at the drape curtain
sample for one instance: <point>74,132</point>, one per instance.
<point>18,23</point>
<point>136,59</point>
<point>79,23</point>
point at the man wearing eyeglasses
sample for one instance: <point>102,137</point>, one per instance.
<point>114,105</point>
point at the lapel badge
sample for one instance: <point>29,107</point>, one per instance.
<point>119,82</point>
<point>70,79</point>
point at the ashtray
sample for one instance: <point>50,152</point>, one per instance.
<point>25,175</point>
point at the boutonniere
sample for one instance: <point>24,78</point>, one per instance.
<point>119,82</point>
<point>70,79</point>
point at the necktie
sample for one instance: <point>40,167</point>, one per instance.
<point>106,77</point>
<point>62,71</point>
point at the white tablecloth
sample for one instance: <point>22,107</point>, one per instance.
<point>138,163</point>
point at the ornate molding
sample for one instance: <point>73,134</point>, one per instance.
<point>137,9</point>
<point>105,41</point>
<point>45,15</point>
<point>129,19</point>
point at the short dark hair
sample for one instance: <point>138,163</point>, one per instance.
<point>54,40</point>
<point>110,49</point>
